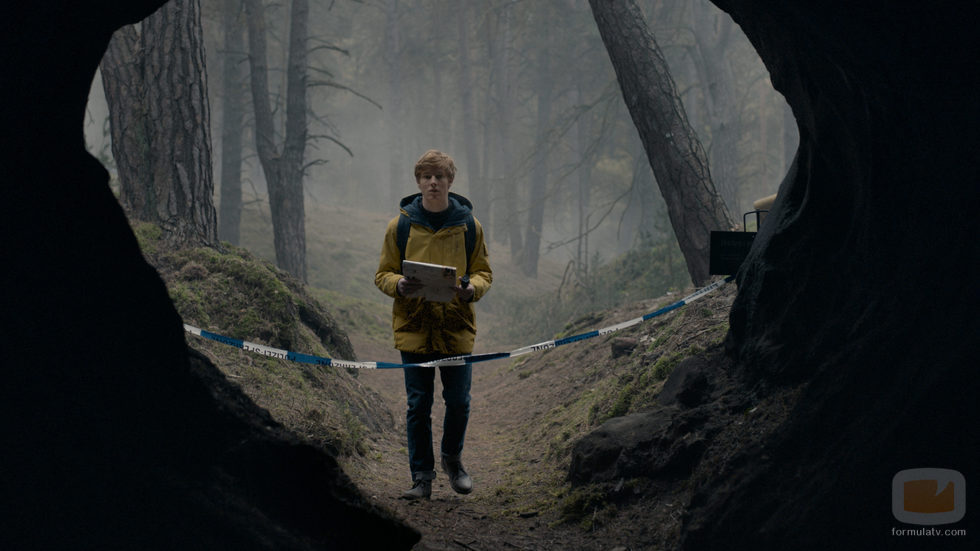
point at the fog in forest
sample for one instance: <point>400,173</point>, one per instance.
<point>522,95</point>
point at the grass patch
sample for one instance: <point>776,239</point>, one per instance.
<point>582,506</point>
<point>662,368</point>
<point>148,235</point>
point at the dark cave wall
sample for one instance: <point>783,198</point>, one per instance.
<point>885,177</point>
<point>114,437</point>
<point>858,286</point>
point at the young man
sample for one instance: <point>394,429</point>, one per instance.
<point>434,230</point>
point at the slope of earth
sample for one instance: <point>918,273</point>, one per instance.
<point>234,294</point>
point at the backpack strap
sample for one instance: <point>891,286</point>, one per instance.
<point>470,236</point>
<point>405,227</point>
<point>401,236</point>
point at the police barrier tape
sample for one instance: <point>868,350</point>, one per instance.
<point>455,360</point>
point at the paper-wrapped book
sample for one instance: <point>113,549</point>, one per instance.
<point>437,281</point>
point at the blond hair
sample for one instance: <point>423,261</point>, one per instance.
<point>435,160</point>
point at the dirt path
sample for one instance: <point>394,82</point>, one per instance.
<point>526,413</point>
<point>513,505</point>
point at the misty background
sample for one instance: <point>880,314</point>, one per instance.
<point>523,96</point>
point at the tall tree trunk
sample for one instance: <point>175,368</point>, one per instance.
<point>130,128</point>
<point>539,174</point>
<point>157,90</point>
<point>630,225</point>
<point>283,169</point>
<point>678,160</point>
<point>713,32</point>
<point>397,171</point>
<point>478,191</point>
<point>178,105</point>
<point>288,204</point>
<point>508,220</point>
<point>582,132</point>
<point>649,201</point>
<point>432,114</point>
<point>491,137</point>
<point>232,121</point>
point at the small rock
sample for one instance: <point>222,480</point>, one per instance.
<point>688,384</point>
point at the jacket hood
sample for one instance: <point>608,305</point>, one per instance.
<point>459,207</point>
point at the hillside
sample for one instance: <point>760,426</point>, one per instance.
<point>234,294</point>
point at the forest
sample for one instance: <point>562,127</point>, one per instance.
<point>533,115</point>
<point>231,166</point>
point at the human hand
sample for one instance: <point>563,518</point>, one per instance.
<point>408,286</point>
<point>465,293</point>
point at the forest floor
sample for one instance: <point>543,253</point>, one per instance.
<point>491,517</point>
<point>525,415</point>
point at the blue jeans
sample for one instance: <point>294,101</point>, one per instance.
<point>419,388</point>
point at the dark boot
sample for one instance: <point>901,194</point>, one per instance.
<point>421,489</point>
<point>458,479</point>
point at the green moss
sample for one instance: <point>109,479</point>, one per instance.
<point>352,434</point>
<point>663,366</point>
<point>241,296</point>
<point>622,404</point>
<point>581,505</point>
<point>189,303</point>
<point>147,235</point>
<point>661,338</point>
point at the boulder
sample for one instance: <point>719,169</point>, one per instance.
<point>661,443</point>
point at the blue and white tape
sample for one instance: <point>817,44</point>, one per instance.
<point>299,357</point>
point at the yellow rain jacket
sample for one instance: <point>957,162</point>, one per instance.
<point>424,327</point>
